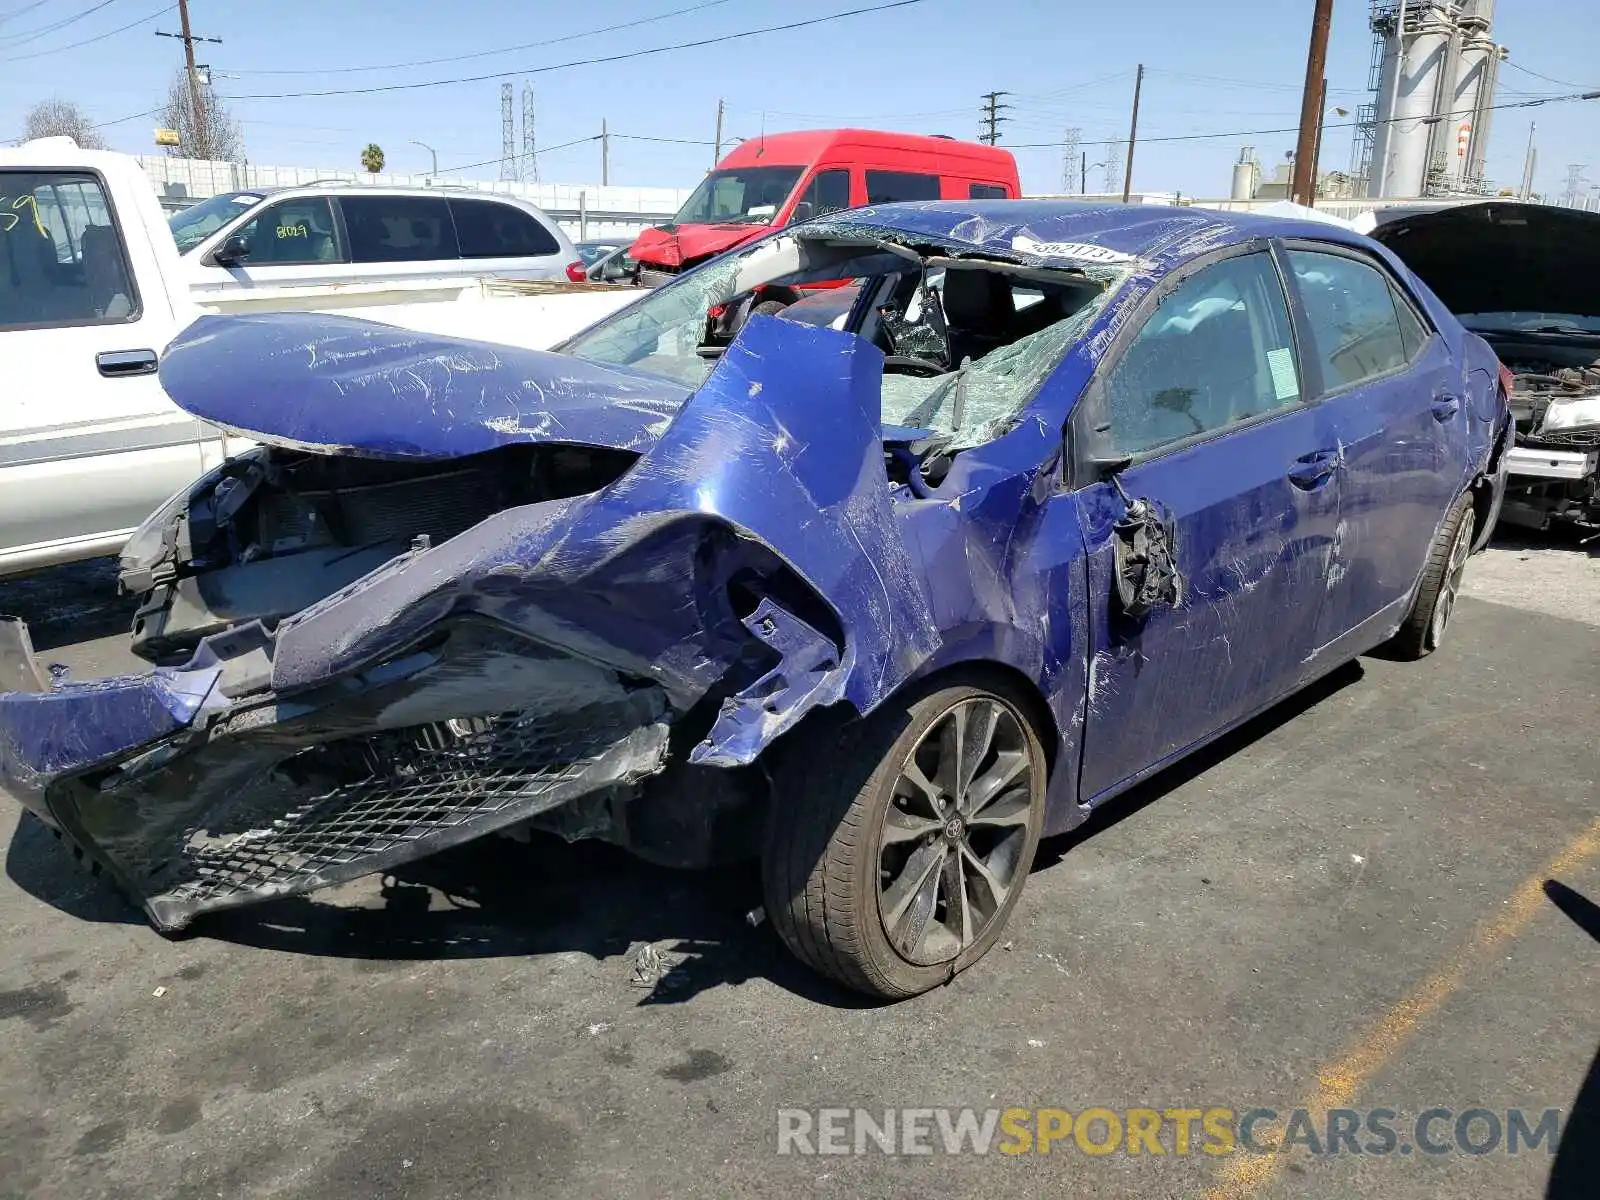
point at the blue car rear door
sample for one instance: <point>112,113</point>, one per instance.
<point>1203,401</point>
<point>1397,403</point>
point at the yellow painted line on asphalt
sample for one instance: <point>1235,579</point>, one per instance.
<point>1246,1174</point>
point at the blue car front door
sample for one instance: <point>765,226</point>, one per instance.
<point>1206,400</point>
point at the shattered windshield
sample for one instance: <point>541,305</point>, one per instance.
<point>966,346</point>
<point>742,196</point>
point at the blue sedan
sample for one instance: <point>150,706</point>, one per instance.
<point>880,548</point>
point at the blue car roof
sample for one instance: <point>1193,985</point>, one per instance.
<point>1147,231</point>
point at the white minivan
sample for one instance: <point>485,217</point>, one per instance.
<point>362,239</point>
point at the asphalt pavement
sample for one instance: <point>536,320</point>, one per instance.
<point>1382,894</point>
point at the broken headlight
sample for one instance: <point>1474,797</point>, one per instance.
<point>1571,414</point>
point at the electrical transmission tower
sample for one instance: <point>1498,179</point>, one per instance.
<point>508,136</point>
<point>1072,181</point>
<point>1115,154</point>
<point>530,157</point>
<point>989,119</point>
<point>1573,196</point>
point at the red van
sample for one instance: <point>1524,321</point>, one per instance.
<point>769,181</point>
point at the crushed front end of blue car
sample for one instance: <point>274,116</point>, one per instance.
<point>462,588</point>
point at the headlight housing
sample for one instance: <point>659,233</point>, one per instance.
<point>1571,414</point>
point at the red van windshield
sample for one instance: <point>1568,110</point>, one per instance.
<point>739,196</point>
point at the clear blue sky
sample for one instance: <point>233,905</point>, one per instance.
<point>1217,67</point>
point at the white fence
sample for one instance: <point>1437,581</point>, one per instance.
<point>583,210</point>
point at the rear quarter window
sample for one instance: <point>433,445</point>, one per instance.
<point>987,191</point>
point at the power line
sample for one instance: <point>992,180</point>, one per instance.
<point>99,37</point>
<point>33,35</point>
<point>1233,133</point>
<point>1548,79</point>
<point>26,8</point>
<point>433,62</point>
<point>598,60</point>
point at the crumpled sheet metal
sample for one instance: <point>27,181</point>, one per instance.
<point>781,450</point>
<point>74,726</point>
<point>357,387</point>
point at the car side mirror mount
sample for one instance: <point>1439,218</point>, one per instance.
<point>1106,467</point>
<point>233,250</point>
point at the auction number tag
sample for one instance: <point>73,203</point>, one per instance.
<point>1073,251</point>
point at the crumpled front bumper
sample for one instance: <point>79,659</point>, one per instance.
<point>749,569</point>
<point>195,801</point>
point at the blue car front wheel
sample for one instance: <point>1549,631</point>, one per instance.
<point>899,845</point>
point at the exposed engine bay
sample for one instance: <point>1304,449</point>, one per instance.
<point>1555,401</point>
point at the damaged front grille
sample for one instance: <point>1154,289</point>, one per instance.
<point>347,808</point>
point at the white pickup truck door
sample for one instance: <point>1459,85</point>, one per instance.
<point>90,445</point>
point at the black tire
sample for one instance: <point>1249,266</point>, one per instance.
<point>768,308</point>
<point>1431,611</point>
<point>829,838</point>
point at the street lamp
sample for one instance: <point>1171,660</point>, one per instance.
<point>431,151</point>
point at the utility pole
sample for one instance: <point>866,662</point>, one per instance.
<point>605,153</point>
<point>1133,136</point>
<point>1083,176</point>
<point>1322,120</point>
<point>1304,188</point>
<point>716,154</point>
<point>197,105</point>
<point>1528,162</point>
<point>990,119</point>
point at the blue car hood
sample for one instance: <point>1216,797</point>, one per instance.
<point>338,385</point>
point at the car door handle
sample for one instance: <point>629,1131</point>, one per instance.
<point>114,364</point>
<point>1312,471</point>
<point>1445,406</point>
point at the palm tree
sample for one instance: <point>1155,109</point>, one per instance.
<point>372,158</point>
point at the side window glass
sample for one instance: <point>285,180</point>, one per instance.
<point>1413,333</point>
<point>386,229</point>
<point>490,229</point>
<point>61,260</point>
<point>1351,309</point>
<point>291,231</point>
<point>891,187</point>
<point>1217,351</point>
<point>829,192</point>
<point>986,191</point>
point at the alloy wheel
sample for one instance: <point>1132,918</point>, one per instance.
<point>951,842</point>
<point>1450,586</point>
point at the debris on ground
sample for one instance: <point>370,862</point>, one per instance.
<point>648,966</point>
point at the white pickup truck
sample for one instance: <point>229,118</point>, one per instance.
<point>92,291</point>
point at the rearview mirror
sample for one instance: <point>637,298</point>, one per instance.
<point>234,250</point>
<point>803,211</point>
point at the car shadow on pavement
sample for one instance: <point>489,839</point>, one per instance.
<point>500,897</point>
<point>1574,538</point>
<point>1142,795</point>
<point>1575,1175</point>
<point>64,605</point>
<point>42,865</point>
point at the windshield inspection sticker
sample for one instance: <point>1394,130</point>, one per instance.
<point>1285,382</point>
<point>1077,251</point>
